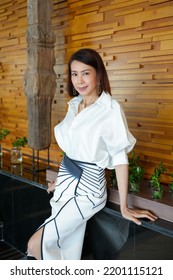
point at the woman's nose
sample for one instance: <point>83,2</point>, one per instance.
<point>80,79</point>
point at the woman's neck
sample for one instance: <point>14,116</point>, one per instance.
<point>86,102</point>
<point>89,100</point>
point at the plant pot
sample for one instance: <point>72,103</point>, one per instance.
<point>1,162</point>
<point>1,159</point>
<point>16,169</point>
<point>0,150</point>
<point>16,155</point>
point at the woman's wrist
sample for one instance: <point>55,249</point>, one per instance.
<point>123,209</point>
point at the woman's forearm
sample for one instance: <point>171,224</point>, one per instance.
<point>122,180</point>
<point>128,213</point>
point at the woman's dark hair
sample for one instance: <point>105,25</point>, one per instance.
<point>92,58</point>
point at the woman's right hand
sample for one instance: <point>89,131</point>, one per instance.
<point>51,186</point>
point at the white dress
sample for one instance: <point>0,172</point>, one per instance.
<point>95,139</point>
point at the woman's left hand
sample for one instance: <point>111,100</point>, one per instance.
<point>134,215</point>
<point>51,187</point>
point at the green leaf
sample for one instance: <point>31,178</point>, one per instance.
<point>20,142</point>
<point>3,133</point>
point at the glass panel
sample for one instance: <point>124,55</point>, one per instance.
<point>24,205</point>
<point>146,244</point>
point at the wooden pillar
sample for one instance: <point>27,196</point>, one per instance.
<point>40,78</point>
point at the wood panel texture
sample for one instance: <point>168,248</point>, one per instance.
<point>135,40</point>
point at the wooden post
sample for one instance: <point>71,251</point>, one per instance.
<point>40,78</point>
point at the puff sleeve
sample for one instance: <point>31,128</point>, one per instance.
<point>118,139</point>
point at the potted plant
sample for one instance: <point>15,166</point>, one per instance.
<point>16,151</point>
<point>20,142</point>
<point>113,179</point>
<point>171,183</point>
<point>136,173</point>
<point>156,187</point>
<point>3,134</point>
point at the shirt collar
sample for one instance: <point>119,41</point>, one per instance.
<point>105,100</point>
<point>75,100</point>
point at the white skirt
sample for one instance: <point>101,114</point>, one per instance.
<point>80,192</point>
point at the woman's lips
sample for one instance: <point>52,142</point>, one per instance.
<point>81,88</point>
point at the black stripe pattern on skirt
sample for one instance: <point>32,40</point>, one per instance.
<point>79,194</point>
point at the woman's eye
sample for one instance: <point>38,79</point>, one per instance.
<point>86,73</point>
<point>73,74</point>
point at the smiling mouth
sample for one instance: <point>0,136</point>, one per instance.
<point>82,88</point>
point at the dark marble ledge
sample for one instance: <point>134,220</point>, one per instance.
<point>27,169</point>
<point>22,179</point>
<point>160,225</point>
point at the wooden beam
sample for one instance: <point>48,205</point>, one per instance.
<point>40,76</point>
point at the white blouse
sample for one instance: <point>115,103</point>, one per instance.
<point>98,134</point>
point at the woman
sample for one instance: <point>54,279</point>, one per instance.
<point>94,135</point>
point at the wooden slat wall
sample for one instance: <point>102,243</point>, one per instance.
<point>135,40</point>
<point>12,67</point>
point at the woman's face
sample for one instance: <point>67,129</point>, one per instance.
<point>84,79</point>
